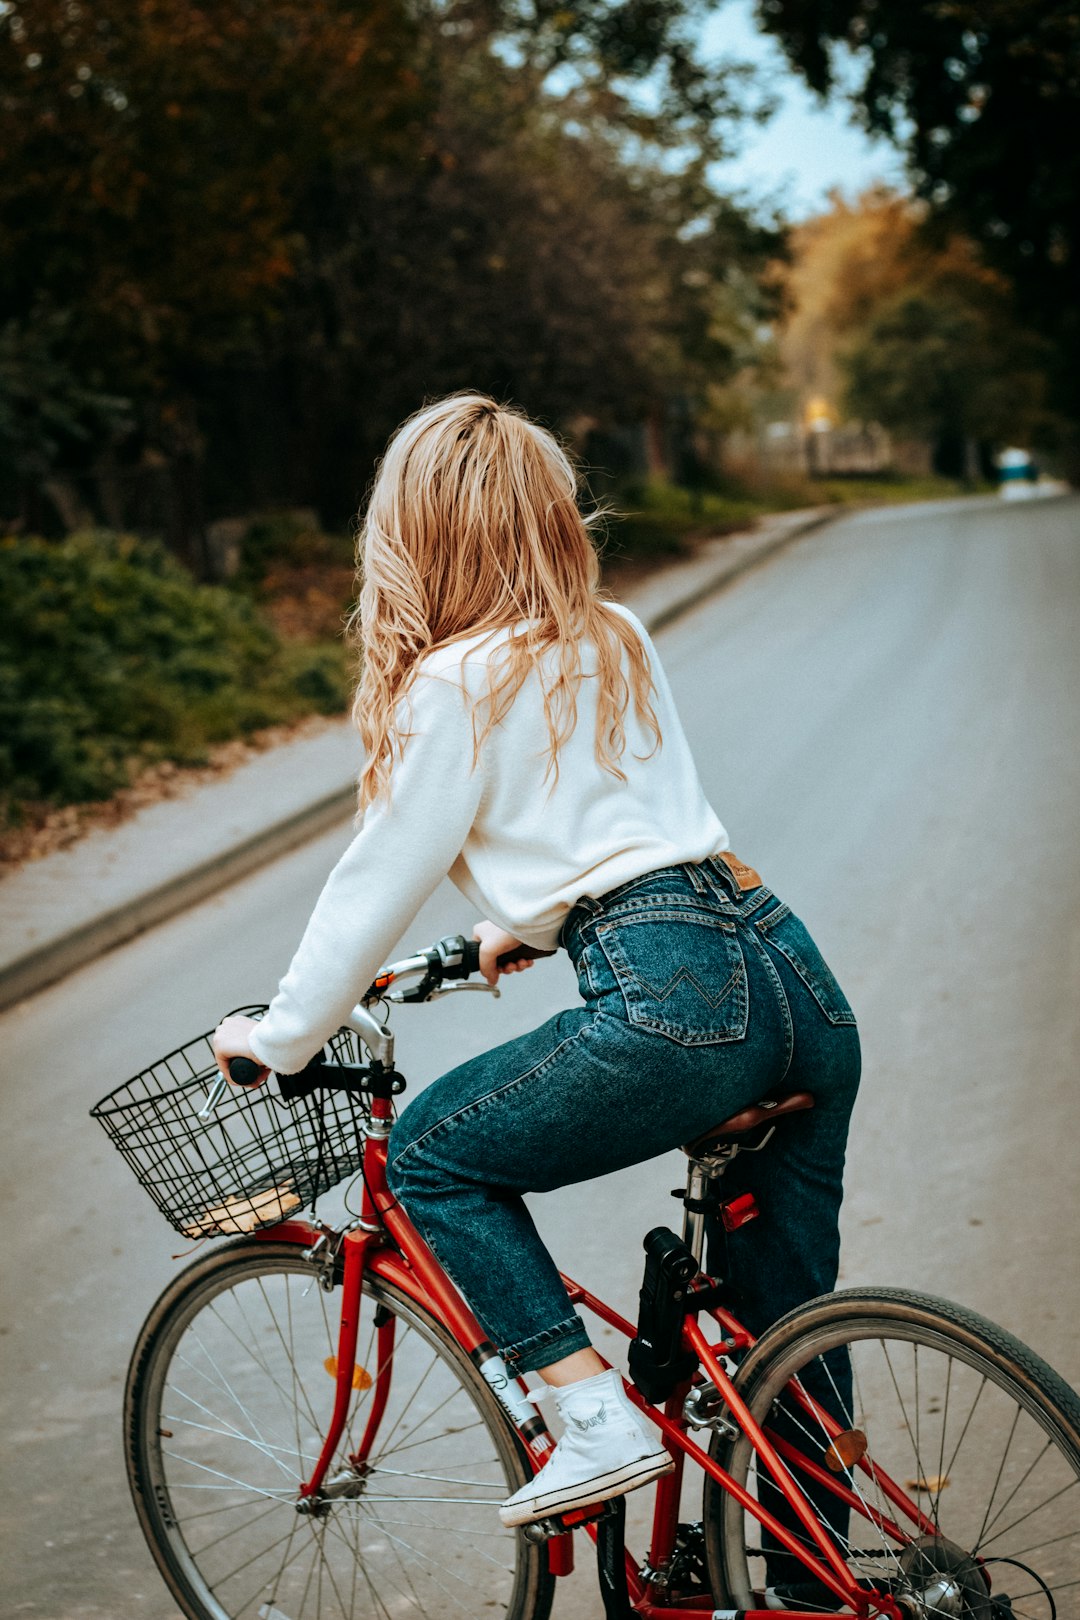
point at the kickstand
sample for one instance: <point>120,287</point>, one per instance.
<point>611,1561</point>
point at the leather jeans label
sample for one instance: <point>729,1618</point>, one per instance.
<point>744,875</point>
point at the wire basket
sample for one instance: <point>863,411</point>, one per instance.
<point>254,1160</point>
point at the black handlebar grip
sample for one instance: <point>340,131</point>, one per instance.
<point>244,1072</point>
<point>471,959</point>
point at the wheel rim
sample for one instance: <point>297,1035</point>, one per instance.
<point>236,1404</point>
<point>993,1473</point>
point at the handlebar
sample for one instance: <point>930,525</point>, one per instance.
<point>244,1072</point>
<point>435,971</point>
<point>451,958</point>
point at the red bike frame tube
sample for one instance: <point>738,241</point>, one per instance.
<point>355,1245</point>
<point>843,1493</point>
<point>668,1492</point>
<point>385,1334</point>
<point>838,1578</point>
<point>897,1496</point>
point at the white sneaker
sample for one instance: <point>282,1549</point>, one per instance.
<point>605,1451</point>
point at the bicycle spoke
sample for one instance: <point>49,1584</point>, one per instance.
<point>216,1379</point>
<point>424,1558</point>
<point>1025,1516</point>
<point>924,1392</point>
<point>997,1477</point>
<point>223,1580</point>
<point>425,1440</point>
<point>850,1473</point>
<point>1013,1494</point>
<point>919,1469</point>
<point>402,1566</point>
<point>231,1478</point>
<point>324,1563</point>
<point>285,1560</point>
<point>230,1432</point>
<point>419,1539</point>
<point>408,1404</point>
<point>437,1479</point>
<point>208,1546</point>
<point>963,1432</point>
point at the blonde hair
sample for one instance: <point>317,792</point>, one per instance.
<point>473,525</point>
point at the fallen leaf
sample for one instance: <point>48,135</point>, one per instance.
<point>932,1483</point>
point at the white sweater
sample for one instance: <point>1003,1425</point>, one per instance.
<point>520,850</point>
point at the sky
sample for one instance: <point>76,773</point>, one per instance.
<point>807,148</point>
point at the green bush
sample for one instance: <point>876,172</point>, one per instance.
<point>654,519</point>
<point>111,656</point>
<point>289,539</point>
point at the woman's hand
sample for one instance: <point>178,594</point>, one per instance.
<point>496,943</point>
<point>231,1040</point>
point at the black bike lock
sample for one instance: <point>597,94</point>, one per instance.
<point>658,1363</point>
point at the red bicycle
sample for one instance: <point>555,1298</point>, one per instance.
<point>316,1427</point>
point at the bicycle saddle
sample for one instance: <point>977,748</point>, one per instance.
<point>766,1112</point>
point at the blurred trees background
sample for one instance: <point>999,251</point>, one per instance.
<point>984,95</point>
<point>241,243</point>
<point>905,325</point>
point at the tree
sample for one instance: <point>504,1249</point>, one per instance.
<point>933,363</point>
<point>986,99</point>
<point>914,333</point>
<point>272,228</point>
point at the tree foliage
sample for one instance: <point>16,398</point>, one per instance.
<point>907,330</point>
<point>933,362</point>
<point>271,228</point>
<point>986,99</point>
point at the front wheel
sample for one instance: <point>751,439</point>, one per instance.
<point>229,1396</point>
<point>956,1464</point>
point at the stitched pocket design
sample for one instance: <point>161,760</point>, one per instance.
<point>783,930</point>
<point>681,974</point>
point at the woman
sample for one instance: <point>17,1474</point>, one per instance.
<point>520,735</point>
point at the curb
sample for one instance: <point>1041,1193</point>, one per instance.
<point>59,957</point>
<point>47,963</point>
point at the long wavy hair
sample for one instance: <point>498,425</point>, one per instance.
<point>473,525</point>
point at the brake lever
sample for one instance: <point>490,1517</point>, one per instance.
<point>449,989</point>
<point>213,1097</point>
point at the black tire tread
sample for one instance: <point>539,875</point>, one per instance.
<point>906,1303</point>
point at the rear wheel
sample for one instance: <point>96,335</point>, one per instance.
<point>978,1433</point>
<point>229,1395</point>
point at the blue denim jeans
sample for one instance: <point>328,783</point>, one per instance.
<point>698,998</point>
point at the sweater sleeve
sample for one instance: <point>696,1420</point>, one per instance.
<point>404,848</point>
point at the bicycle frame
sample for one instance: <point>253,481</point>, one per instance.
<point>410,1266</point>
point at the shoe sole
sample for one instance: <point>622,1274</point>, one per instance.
<point>604,1486</point>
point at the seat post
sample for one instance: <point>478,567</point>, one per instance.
<point>697,1186</point>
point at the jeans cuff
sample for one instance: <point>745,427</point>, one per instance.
<point>541,1349</point>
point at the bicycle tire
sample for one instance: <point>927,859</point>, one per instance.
<point>969,1347</point>
<point>247,1296</point>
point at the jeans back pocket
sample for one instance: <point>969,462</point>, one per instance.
<point>785,933</point>
<point>681,973</point>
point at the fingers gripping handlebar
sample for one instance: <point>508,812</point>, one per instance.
<point>453,958</point>
<point>245,1071</point>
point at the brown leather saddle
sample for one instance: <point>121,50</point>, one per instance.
<point>738,1130</point>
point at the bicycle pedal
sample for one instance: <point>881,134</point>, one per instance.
<point>564,1523</point>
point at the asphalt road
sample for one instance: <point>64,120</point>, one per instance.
<point>887,717</point>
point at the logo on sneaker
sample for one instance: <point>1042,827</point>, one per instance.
<point>585,1424</point>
